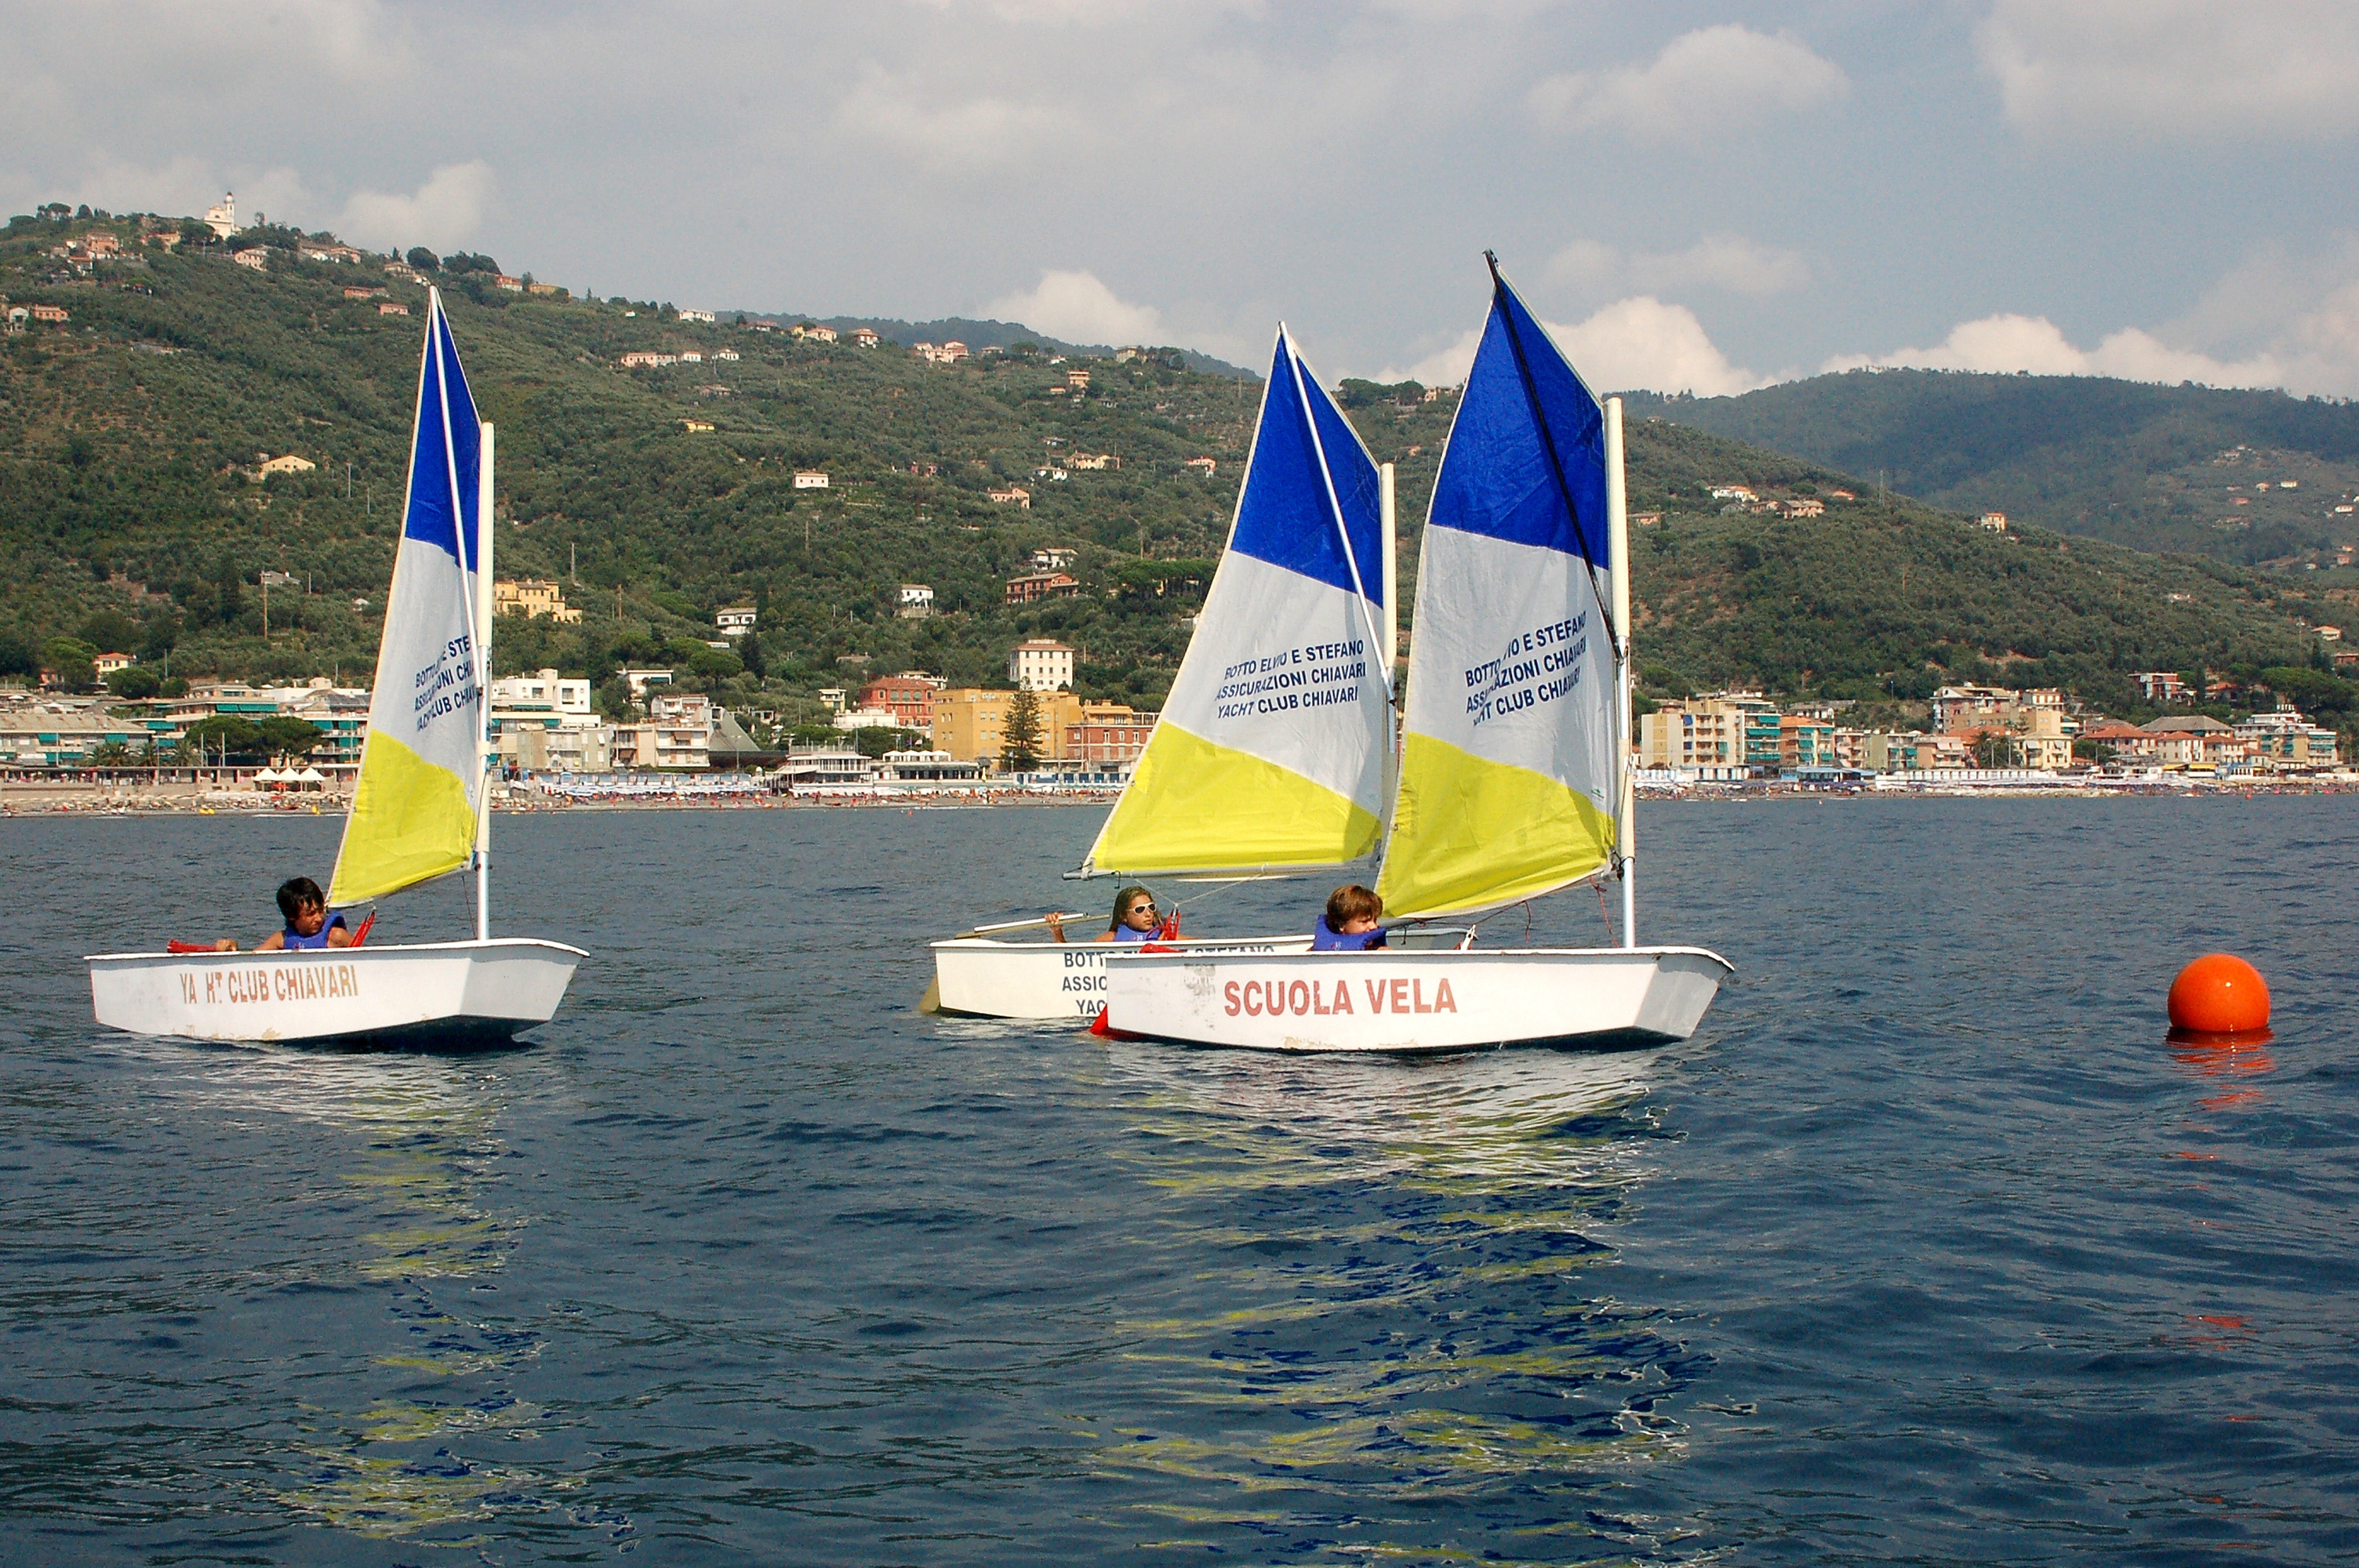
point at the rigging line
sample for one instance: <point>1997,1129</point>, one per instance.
<point>1377,652</point>
<point>1548,441</point>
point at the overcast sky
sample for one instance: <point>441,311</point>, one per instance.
<point>1702,196</point>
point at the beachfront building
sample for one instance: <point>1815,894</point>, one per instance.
<point>971,724</point>
<point>675,737</point>
<point>543,723</point>
<point>2197,741</point>
<point>1108,737</point>
<point>2285,740</point>
<point>908,696</point>
<point>61,733</point>
<point>1721,730</point>
<point>928,768</point>
<point>1890,753</point>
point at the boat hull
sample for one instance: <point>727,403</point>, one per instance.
<point>1405,1002</point>
<point>981,978</point>
<point>431,993</point>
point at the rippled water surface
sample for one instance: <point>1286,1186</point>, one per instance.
<point>1928,1247</point>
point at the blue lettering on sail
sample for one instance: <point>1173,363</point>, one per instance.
<point>1536,667</point>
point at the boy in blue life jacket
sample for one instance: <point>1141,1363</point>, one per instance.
<point>309,923</point>
<point>1349,925</point>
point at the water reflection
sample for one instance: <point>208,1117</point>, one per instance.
<point>1383,1287</point>
<point>407,1162</point>
<point>2224,1060</point>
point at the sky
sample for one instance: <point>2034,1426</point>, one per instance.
<point>1697,198</point>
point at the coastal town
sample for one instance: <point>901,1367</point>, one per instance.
<point>214,743</point>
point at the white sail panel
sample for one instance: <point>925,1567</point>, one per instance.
<point>415,808</point>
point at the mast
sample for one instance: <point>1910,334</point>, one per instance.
<point>1617,523</point>
<point>1391,651</point>
<point>484,690</point>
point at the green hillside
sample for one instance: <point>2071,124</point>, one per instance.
<point>2157,467</point>
<point>128,515</point>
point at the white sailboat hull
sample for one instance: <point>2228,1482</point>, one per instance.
<point>982,978</point>
<point>1398,1002</point>
<point>427,994</point>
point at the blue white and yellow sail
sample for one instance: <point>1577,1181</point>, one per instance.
<point>1274,750</point>
<point>416,808</point>
<point>1508,758</point>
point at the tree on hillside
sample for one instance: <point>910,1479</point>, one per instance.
<point>1020,750</point>
<point>423,259</point>
<point>134,683</point>
<point>71,657</point>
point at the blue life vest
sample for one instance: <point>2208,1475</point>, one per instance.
<point>298,944</point>
<point>1326,939</point>
<point>1125,934</point>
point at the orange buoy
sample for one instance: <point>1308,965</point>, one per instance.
<point>2220,993</point>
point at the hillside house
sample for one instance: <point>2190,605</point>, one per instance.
<point>1077,381</point>
<point>1041,663</point>
<point>540,288</point>
<point>645,359</point>
<point>391,307</point>
<point>285,463</point>
<point>810,479</point>
<point>107,663</point>
<point>703,315</point>
<point>813,333</point>
<point>254,256</point>
<point>2161,688</point>
<point>53,314</point>
<point>737,621</point>
<point>1203,467</point>
<point>1093,462</point>
<point>863,338</point>
<point>696,427</point>
<point>729,354</point>
<point>513,285</point>
<point>1055,558</point>
<point>1014,495</point>
<point>1992,521</point>
<point>916,602</point>
<point>1804,506</point>
<point>692,356</point>
<point>355,291</point>
<point>530,597</point>
<point>100,244</point>
<point>1035,586</point>
<point>341,255</point>
<point>1739,493</point>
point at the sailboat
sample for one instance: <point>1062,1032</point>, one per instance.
<point>421,808</point>
<point>1514,777</point>
<point>1273,755</point>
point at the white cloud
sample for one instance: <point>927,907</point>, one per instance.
<point>1730,263</point>
<point>1703,83</point>
<point>942,129</point>
<point>2194,69</point>
<point>1635,343</point>
<point>443,214</point>
<point>2007,342</point>
<point>1079,308</point>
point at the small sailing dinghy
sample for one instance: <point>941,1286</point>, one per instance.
<point>421,809</point>
<point>1273,755</point>
<point>1514,777</point>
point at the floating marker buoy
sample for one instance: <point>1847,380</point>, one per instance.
<point>2220,993</point>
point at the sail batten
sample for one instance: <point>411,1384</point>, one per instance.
<point>1508,769</point>
<point>415,807</point>
<point>1273,750</point>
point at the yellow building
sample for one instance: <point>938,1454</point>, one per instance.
<point>970,723</point>
<point>530,596</point>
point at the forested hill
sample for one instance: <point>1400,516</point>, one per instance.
<point>131,517</point>
<point>2156,468</point>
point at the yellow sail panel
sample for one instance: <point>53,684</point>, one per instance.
<point>411,820</point>
<point>1487,833</point>
<point>1192,806</point>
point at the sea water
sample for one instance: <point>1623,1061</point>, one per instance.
<point>1928,1247</point>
